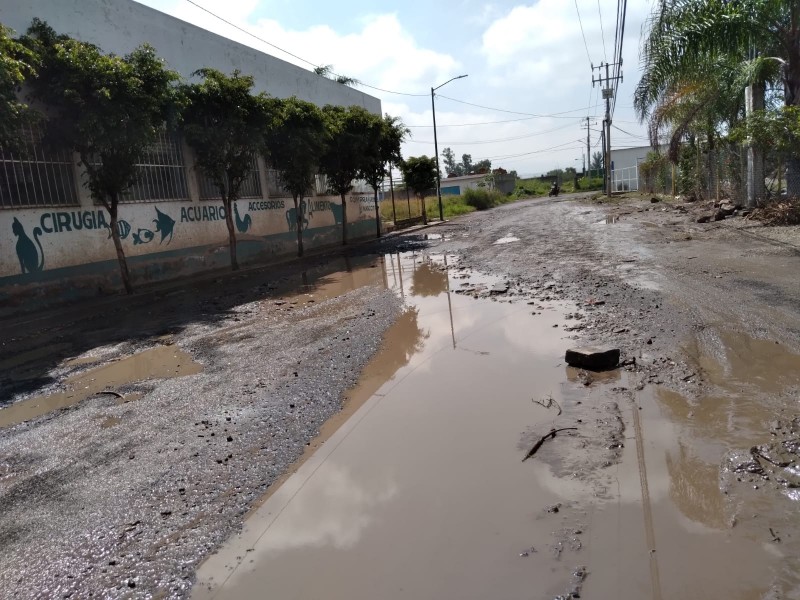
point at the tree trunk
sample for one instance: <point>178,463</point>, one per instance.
<point>792,94</point>
<point>123,263</point>
<point>424,212</point>
<point>754,100</point>
<point>299,225</point>
<point>377,214</point>
<point>344,220</point>
<point>228,204</point>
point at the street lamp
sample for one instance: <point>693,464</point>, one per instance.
<point>436,145</point>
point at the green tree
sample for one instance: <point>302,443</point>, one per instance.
<point>346,150</point>
<point>466,164</point>
<point>17,63</point>
<point>419,173</point>
<point>227,127</point>
<point>483,166</point>
<point>296,144</point>
<point>109,109</point>
<point>451,167</point>
<point>597,161</point>
<point>385,137</point>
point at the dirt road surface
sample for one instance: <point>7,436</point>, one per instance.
<point>353,426</point>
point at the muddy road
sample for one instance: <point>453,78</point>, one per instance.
<point>353,426</point>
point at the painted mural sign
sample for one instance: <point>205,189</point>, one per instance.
<point>30,252</point>
<point>52,238</point>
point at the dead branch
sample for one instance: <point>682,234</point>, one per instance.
<point>544,438</point>
<point>550,402</point>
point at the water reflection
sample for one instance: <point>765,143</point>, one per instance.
<point>428,280</point>
<point>333,510</point>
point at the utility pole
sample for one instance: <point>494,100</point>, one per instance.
<point>608,94</point>
<point>588,143</point>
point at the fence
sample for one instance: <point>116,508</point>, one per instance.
<point>400,205</point>
<point>625,180</point>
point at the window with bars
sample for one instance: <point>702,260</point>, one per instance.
<point>275,187</point>
<point>37,176</point>
<point>162,173</point>
<point>251,186</point>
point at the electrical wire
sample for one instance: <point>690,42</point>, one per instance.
<point>580,22</point>
<point>553,116</point>
<point>532,152</point>
<point>508,139</point>
<point>514,112</point>
<point>300,58</point>
<point>602,31</point>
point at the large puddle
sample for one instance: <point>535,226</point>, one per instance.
<point>421,493</point>
<point>417,489</point>
<point>156,363</point>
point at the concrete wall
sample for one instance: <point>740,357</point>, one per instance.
<point>624,158</point>
<point>48,255</point>
<point>119,26</point>
<point>458,185</point>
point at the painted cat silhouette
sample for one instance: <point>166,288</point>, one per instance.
<point>30,260</point>
<point>242,224</point>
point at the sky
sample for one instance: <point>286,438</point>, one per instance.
<point>527,59</point>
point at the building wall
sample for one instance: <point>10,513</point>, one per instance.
<point>119,26</point>
<point>457,185</point>
<point>53,250</point>
<point>624,158</point>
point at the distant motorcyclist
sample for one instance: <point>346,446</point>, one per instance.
<point>554,189</point>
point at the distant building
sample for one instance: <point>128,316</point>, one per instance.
<point>54,239</point>
<point>455,186</point>
<point>625,167</point>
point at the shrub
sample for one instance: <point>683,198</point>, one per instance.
<point>482,199</point>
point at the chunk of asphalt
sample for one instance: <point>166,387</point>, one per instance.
<point>593,359</point>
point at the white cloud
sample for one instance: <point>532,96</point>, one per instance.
<point>382,52</point>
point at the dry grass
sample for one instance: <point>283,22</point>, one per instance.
<point>778,212</point>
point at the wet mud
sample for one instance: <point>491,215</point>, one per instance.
<point>365,418</point>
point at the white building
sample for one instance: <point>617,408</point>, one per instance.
<point>625,167</point>
<point>54,239</point>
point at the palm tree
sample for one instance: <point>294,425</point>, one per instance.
<point>687,41</point>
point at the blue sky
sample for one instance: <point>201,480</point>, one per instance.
<point>521,57</point>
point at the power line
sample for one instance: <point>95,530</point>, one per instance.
<point>583,35</point>
<point>508,139</point>
<point>553,116</point>
<point>532,152</point>
<point>633,135</point>
<point>602,32</point>
<point>619,38</point>
<point>515,112</point>
<point>439,126</point>
<point>300,58</point>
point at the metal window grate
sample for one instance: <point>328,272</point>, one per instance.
<point>162,174</point>
<point>275,187</point>
<point>37,177</point>
<point>251,186</point>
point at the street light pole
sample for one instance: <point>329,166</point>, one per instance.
<point>436,146</point>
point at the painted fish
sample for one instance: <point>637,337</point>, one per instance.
<point>165,225</point>
<point>123,227</point>
<point>143,236</point>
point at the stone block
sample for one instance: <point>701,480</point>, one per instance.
<point>593,359</point>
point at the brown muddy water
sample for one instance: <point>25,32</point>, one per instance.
<point>417,489</point>
<point>159,362</point>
